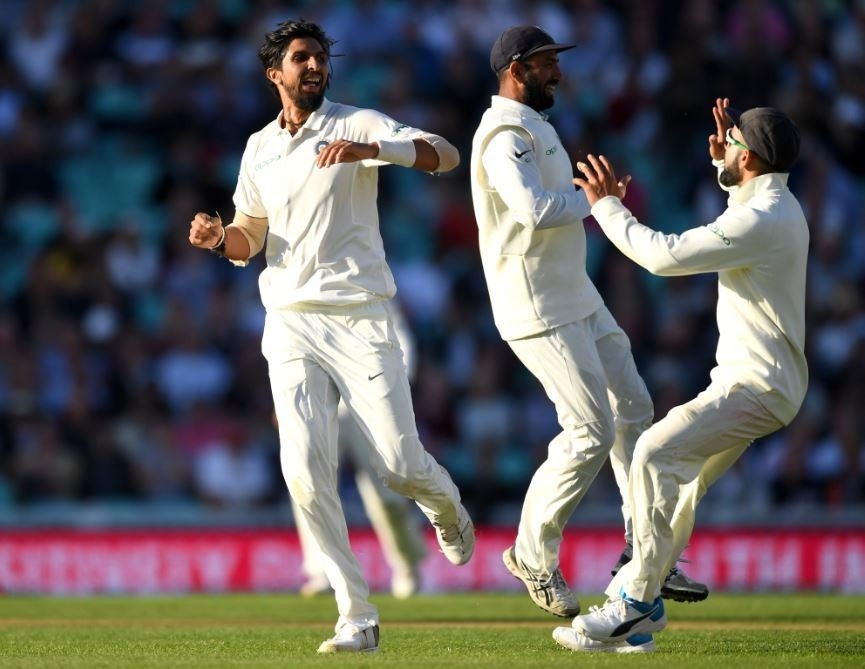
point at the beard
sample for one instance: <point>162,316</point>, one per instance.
<point>536,95</point>
<point>730,176</point>
<point>307,101</point>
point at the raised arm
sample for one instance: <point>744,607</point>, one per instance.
<point>733,240</point>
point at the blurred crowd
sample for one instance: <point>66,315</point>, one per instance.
<point>130,364</point>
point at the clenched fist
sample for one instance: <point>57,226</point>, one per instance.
<point>205,231</point>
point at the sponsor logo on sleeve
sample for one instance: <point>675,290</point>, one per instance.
<point>715,229</point>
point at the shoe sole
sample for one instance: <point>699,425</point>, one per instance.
<point>561,635</point>
<point>516,572</point>
<point>330,646</point>
<point>686,596</point>
<point>643,648</point>
<point>331,650</point>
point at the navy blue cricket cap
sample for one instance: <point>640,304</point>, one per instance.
<point>770,134</point>
<point>520,42</point>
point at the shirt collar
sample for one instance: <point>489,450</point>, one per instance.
<point>761,184</point>
<point>314,122</point>
<point>503,103</point>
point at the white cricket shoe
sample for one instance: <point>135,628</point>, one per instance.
<point>350,639</point>
<point>551,594</point>
<point>457,541</point>
<point>573,640</point>
<point>620,617</point>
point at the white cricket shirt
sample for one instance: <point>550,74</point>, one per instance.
<point>529,215</point>
<point>323,247</point>
<point>759,247</point>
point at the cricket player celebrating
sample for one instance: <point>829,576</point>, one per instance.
<point>307,188</point>
<point>533,250</point>
<point>759,248</point>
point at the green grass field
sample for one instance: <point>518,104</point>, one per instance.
<point>467,630</point>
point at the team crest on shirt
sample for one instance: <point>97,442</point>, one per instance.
<point>320,146</point>
<point>398,129</point>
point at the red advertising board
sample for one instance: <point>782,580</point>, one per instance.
<point>196,560</point>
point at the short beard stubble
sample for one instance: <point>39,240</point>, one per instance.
<point>730,176</point>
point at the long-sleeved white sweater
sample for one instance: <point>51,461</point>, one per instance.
<point>529,215</point>
<point>759,248</point>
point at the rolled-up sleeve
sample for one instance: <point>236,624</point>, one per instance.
<point>449,156</point>
<point>512,171</point>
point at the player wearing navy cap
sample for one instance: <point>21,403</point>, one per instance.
<point>533,250</point>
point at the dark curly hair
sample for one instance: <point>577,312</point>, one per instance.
<point>272,50</point>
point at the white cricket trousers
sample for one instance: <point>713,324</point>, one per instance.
<point>389,513</point>
<point>588,371</point>
<point>314,358</point>
<point>675,462</point>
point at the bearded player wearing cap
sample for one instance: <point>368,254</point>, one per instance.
<point>759,248</point>
<point>533,249</point>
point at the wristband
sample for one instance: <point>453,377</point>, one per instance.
<point>401,152</point>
